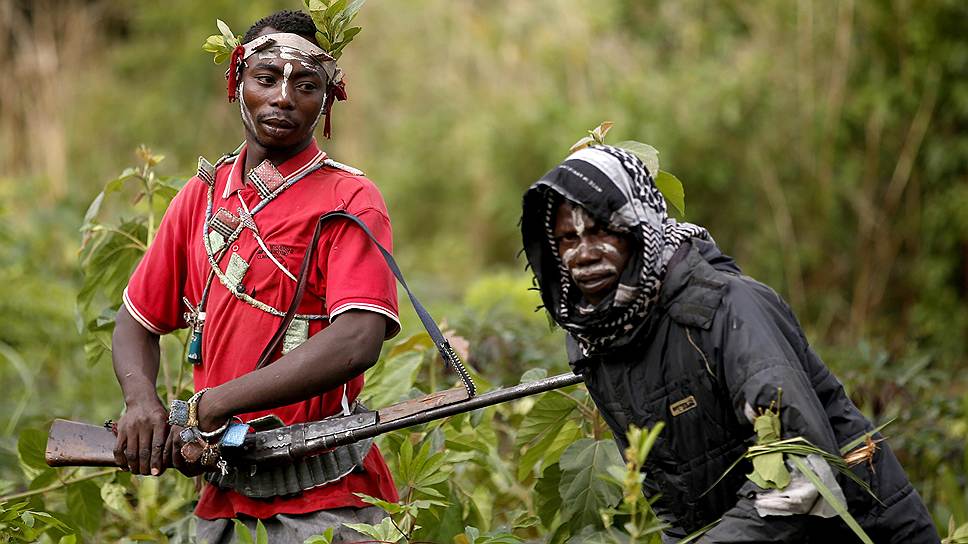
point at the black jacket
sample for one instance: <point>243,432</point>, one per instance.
<point>716,342</point>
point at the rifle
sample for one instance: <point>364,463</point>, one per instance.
<point>72,443</point>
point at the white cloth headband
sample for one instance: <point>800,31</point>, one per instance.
<point>297,42</point>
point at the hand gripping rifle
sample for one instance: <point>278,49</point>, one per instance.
<point>71,443</point>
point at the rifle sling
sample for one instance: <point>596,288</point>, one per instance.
<point>443,346</point>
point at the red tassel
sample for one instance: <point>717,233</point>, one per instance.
<point>337,91</point>
<point>233,73</point>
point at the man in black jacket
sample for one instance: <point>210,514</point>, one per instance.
<point>665,328</point>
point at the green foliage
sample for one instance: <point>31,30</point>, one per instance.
<point>332,18</point>
<point>19,523</point>
<point>669,185</point>
<point>325,538</point>
<point>821,142</point>
<point>244,535</point>
<point>221,45</point>
<point>956,535</point>
<point>582,491</point>
<point>111,247</point>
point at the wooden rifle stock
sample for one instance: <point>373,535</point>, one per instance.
<point>71,443</point>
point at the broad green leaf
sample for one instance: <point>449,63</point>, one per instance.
<point>214,44</point>
<point>85,506</point>
<point>426,469</point>
<point>333,9</point>
<point>220,58</point>
<point>381,532</point>
<point>44,479</point>
<point>547,499</point>
<point>261,535</point>
<point>539,428</point>
<point>672,191</point>
<point>391,379</point>
<point>242,533</point>
<point>416,342</point>
<point>230,39</point>
<point>325,538</point>
<point>767,427</point>
<point>832,499</point>
<point>388,507</point>
<point>323,41</point>
<point>583,493</point>
<point>534,375</point>
<point>645,152</point>
<point>349,33</point>
<point>68,539</point>
<point>569,433</point>
<point>30,446</point>
<point>770,469</point>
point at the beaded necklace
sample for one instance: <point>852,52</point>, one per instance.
<point>220,230</point>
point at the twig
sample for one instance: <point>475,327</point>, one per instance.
<point>58,485</point>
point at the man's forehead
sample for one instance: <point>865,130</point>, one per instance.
<point>275,59</point>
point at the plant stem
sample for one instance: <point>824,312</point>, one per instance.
<point>58,485</point>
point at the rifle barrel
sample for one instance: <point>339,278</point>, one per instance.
<point>484,400</point>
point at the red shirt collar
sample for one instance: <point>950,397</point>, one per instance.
<point>294,166</point>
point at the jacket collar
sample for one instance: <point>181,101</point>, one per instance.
<point>694,286</point>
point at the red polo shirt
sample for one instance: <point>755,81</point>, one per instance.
<point>349,273</point>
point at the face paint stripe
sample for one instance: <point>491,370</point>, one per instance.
<point>286,72</point>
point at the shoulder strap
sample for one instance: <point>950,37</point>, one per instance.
<point>447,353</point>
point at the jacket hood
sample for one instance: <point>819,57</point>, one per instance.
<point>616,189</point>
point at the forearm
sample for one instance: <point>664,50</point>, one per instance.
<point>346,348</point>
<point>136,357</point>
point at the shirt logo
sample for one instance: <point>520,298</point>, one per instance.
<point>278,250</point>
<point>683,406</point>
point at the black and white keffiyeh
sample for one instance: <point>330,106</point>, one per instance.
<point>615,188</point>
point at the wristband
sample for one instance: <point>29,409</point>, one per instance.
<point>220,430</point>
<point>185,413</point>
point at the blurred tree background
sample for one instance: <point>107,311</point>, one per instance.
<point>824,144</point>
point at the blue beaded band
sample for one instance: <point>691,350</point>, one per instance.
<point>179,413</point>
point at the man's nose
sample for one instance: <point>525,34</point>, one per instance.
<point>282,97</point>
<point>588,252</point>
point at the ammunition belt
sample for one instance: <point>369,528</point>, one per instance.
<point>266,481</point>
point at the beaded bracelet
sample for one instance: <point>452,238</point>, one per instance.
<point>185,413</point>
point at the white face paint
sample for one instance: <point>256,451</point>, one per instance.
<point>606,251</point>
<point>579,217</point>
<point>247,120</point>
<point>286,72</point>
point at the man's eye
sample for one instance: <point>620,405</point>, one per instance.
<point>307,87</point>
<point>265,80</point>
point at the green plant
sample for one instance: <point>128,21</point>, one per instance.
<point>332,18</point>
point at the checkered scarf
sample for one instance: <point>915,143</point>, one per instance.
<point>615,188</point>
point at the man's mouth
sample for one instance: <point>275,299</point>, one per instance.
<point>278,123</point>
<point>593,279</point>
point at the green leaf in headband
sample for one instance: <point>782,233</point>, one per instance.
<point>332,19</point>
<point>221,45</point>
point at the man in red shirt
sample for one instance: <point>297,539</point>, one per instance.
<point>225,263</point>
